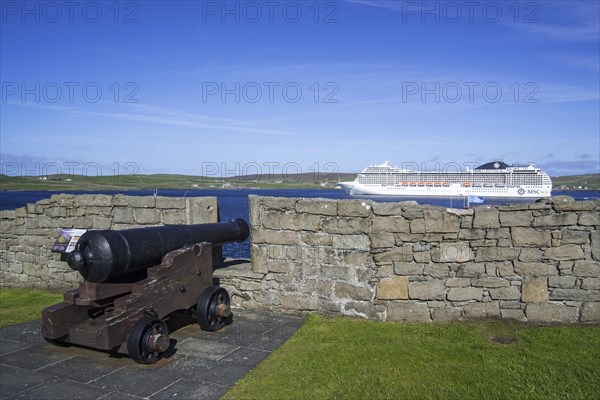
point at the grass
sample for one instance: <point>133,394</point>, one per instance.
<point>353,359</point>
<point>22,305</point>
<point>591,181</point>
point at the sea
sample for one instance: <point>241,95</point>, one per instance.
<point>233,203</point>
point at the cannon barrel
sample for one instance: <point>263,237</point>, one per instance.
<point>102,255</point>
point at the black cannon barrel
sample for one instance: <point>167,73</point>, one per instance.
<point>100,256</point>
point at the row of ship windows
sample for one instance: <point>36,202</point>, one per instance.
<point>391,180</point>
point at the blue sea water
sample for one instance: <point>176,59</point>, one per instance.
<point>234,203</point>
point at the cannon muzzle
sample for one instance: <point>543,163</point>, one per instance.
<point>100,256</point>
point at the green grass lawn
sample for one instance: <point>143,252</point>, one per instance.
<point>21,305</point>
<point>354,359</point>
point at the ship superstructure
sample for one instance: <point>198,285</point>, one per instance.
<point>494,179</point>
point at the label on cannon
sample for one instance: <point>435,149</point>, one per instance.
<point>67,240</point>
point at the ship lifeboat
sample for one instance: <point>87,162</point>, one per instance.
<point>421,184</point>
<point>446,184</point>
<point>413,183</point>
<point>438,184</point>
<point>429,184</point>
<point>466,184</point>
<point>404,183</point>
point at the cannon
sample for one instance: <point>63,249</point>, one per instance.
<point>134,280</point>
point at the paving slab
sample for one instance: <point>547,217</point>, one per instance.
<point>201,365</point>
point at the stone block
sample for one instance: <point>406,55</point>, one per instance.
<point>590,312</point>
<point>436,270</point>
<point>101,222</point>
<point>575,237</point>
<point>173,217</point>
<point>271,220</point>
<point>345,225</point>
<point>575,295</point>
<point>531,254</point>
<point>505,293</point>
<point>408,311</point>
<point>394,288</point>
<point>563,282</point>
<point>411,210</point>
<point>347,291</point>
<point>423,257</point>
<point>123,215</point>
<point>354,208</point>
<point>403,253</point>
<point>482,310</point>
<point>340,272</point>
<point>535,290</point>
<point>535,269</point>
<point>408,268</point>
<point>502,269</point>
<point>561,219</point>
<point>530,237</point>
<point>297,222</point>
<point>300,302</point>
<point>170,202</point>
<point>275,237</point>
<point>490,282</point>
<point>55,212</point>
<point>254,210</point>
<point>470,270</point>
<point>120,200</point>
<point>511,304</point>
<point>317,206</point>
<point>382,240</point>
<point>486,217</point>
<point>445,314</point>
<point>318,286</point>
<point>353,242</point>
<point>452,252</point>
<point>471,234</point>
<point>516,218</point>
<point>83,223</point>
<point>146,216</point>
<point>465,294</point>
<point>551,312</point>
<point>277,203</point>
<point>589,218</point>
<point>484,254</point>
<point>427,290</point>
<point>417,226</point>
<point>458,282</point>
<point>387,209</point>
<point>316,239</point>
<point>590,283</point>
<point>259,258</point>
<point>440,221</point>
<point>566,252</point>
<point>587,268</point>
<point>595,244</point>
<point>201,210</point>
<point>390,224</point>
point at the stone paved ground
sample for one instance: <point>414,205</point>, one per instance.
<point>203,365</point>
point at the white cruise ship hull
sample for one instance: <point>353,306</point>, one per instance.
<point>358,189</point>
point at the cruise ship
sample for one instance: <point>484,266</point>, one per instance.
<point>494,179</point>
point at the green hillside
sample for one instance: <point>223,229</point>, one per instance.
<point>590,181</point>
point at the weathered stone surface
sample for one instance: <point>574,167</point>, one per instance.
<point>275,237</point>
<point>101,222</point>
<point>278,203</point>
<point>484,254</point>
<point>422,257</point>
<point>133,201</point>
<point>201,210</point>
<point>564,282</point>
<point>470,270</point>
<point>505,293</point>
<point>551,312</point>
<point>408,268</point>
<point>345,290</point>
<point>300,222</point>
<point>575,237</point>
<point>317,206</point>
<point>458,282</point>
<point>345,225</point>
<point>566,252</point>
<point>471,234</point>
<point>561,219</point>
<point>354,208</point>
<point>173,217</point>
<point>146,216</point>
<point>170,202</point>
<point>590,312</point>
<point>382,240</point>
<point>518,315</point>
<point>436,270</point>
<point>575,295</point>
<point>486,217</point>
<point>590,283</point>
<point>316,239</point>
<point>294,301</point>
<point>394,288</point>
<point>595,242</point>
<point>534,290</point>
<point>490,282</point>
<point>390,224</point>
<point>427,290</point>
<point>587,268</point>
<point>465,293</point>
<point>516,218</point>
<point>387,209</point>
<point>503,269</point>
<point>403,253</point>
<point>452,252</point>
<point>589,218</point>
<point>354,242</point>
<point>482,310</point>
<point>535,269</point>
<point>530,237</point>
<point>440,221</point>
<point>446,314</point>
<point>405,311</point>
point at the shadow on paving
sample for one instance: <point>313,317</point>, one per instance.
<point>203,365</point>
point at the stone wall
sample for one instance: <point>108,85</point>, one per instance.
<point>28,233</point>
<point>536,262</point>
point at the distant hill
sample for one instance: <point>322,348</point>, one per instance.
<point>590,181</point>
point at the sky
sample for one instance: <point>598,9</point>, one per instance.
<point>243,87</point>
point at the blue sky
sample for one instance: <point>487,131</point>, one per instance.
<point>200,87</point>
